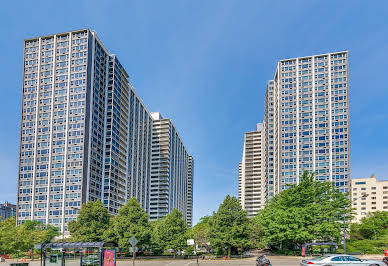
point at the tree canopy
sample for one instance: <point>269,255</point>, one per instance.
<point>229,226</point>
<point>23,237</point>
<point>373,226</point>
<point>131,220</point>
<point>310,210</point>
<point>200,232</point>
<point>170,232</point>
<point>91,223</point>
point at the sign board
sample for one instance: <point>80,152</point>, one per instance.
<point>190,242</point>
<point>133,249</point>
<point>109,257</point>
<point>133,241</point>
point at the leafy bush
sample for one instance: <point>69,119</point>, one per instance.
<point>370,246</point>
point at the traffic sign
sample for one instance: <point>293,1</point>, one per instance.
<point>133,249</point>
<point>190,242</point>
<point>133,241</point>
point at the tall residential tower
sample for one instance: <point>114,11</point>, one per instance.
<point>307,121</point>
<point>85,134</point>
<point>250,190</point>
<point>171,172</point>
<point>306,124</point>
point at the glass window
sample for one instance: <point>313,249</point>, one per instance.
<point>337,259</point>
<point>351,258</point>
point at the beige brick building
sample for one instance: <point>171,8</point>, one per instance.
<point>377,199</point>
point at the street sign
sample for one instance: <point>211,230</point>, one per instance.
<point>133,249</point>
<point>133,241</point>
<point>190,242</point>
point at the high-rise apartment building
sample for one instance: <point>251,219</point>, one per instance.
<point>85,134</point>
<point>190,189</point>
<point>171,171</point>
<point>369,195</point>
<point>250,190</point>
<point>306,122</point>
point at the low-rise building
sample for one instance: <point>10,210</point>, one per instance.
<point>376,198</point>
<point>7,210</point>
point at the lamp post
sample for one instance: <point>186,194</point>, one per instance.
<point>362,197</point>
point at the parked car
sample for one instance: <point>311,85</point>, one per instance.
<point>343,260</point>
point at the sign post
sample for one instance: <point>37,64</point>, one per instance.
<point>191,242</point>
<point>133,241</point>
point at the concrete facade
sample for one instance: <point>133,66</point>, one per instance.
<point>250,190</point>
<point>7,210</point>
<point>306,122</point>
<point>171,172</point>
<point>376,199</point>
<point>85,133</point>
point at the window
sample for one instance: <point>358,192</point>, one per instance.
<point>373,188</point>
<point>337,259</point>
<point>350,258</point>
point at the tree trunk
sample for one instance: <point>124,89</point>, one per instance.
<point>229,252</point>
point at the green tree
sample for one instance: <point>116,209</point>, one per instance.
<point>310,210</point>
<point>170,232</point>
<point>157,247</point>
<point>131,220</point>
<point>24,236</point>
<point>229,226</point>
<point>200,232</point>
<point>30,233</point>
<point>374,225</point>
<point>255,233</point>
<point>8,243</point>
<point>91,223</point>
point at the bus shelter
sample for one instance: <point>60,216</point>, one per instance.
<point>78,253</point>
<point>325,248</point>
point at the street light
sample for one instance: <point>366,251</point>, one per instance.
<point>362,197</point>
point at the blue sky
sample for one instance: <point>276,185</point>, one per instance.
<point>205,64</point>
